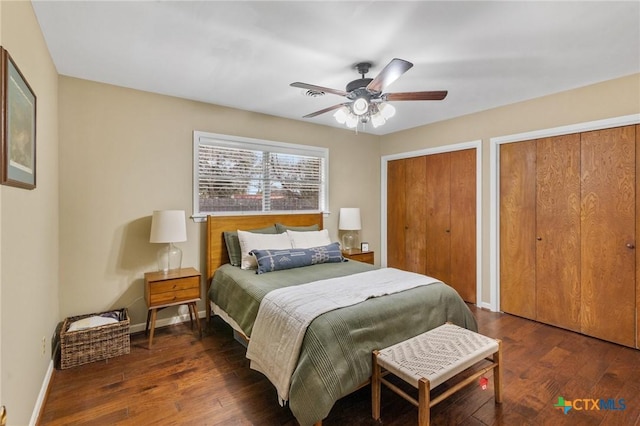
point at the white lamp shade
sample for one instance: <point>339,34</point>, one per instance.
<point>351,121</point>
<point>350,219</point>
<point>377,120</point>
<point>387,110</point>
<point>168,226</point>
<point>341,115</point>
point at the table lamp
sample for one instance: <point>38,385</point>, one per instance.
<point>168,226</point>
<point>350,222</point>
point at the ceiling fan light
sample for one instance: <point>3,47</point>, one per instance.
<point>352,121</point>
<point>360,106</point>
<point>377,120</point>
<point>341,115</point>
<point>387,110</point>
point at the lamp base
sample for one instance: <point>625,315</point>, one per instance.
<point>169,258</point>
<point>349,240</point>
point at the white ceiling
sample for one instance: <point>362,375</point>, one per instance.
<point>244,54</point>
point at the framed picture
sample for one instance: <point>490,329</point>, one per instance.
<point>364,246</point>
<point>18,126</point>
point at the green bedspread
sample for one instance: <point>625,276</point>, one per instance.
<point>239,292</point>
<point>335,357</point>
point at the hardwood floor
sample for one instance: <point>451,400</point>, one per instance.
<point>183,380</point>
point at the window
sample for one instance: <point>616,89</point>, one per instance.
<point>239,175</point>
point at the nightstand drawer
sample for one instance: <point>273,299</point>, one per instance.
<point>171,288</point>
<point>175,284</point>
<point>173,296</point>
<point>359,255</point>
<point>364,257</point>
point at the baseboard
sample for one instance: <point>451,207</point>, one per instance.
<point>176,319</point>
<point>42,396</point>
<point>486,305</point>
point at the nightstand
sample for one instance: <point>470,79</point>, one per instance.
<point>178,287</point>
<point>359,255</point>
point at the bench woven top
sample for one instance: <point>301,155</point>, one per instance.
<point>436,355</point>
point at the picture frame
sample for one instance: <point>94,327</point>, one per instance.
<point>364,246</point>
<point>17,126</point>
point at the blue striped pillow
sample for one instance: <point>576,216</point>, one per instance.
<point>278,260</point>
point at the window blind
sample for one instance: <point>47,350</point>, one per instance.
<point>238,175</point>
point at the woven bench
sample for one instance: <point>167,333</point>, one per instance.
<point>429,359</point>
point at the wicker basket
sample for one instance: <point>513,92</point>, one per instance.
<point>96,343</point>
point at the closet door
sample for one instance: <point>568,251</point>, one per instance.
<point>637,236</point>
<point>518,228</point>
<point>608,234</point>
<point>431,218</point>
<point>415,212</point>
<point>396,208</point>
<point>558,231</point>
<point>463,223</point>
<point>406,224</point>
<point>438,212</point>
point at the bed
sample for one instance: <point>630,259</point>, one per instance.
<point>335,354</point>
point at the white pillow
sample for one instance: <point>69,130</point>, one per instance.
<point>90,322</point>
<point>252,241</point>
<point>308,239</point>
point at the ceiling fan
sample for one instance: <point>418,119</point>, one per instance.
<point>366,100</point>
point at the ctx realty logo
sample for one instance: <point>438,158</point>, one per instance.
<point>584,404</point>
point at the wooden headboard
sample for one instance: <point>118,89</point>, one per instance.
<point>216,248</point>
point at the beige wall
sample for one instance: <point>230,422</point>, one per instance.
<point>29,225</point>
<point>125,153</point>
<point>609,99</point>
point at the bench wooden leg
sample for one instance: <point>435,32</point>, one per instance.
<point>424,401</point>
<point>497,373</point>
<point>375,387</point>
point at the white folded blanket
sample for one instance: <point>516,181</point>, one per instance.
<point>90,322</point>
<point>284,315</point>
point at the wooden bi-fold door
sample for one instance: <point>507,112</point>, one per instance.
<point>463,223</point>
<point>438,217</point>
<point>518,228</point>
<point>608,234</point>
<point>431,218</point>
<point>558,231</point>
<point>406,206</point>
<point>568,229</point>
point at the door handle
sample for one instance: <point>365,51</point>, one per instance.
<point>631,246</point>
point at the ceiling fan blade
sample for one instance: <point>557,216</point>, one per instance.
<point>389,74</point>
<point>416,96</point>
<point>319,88</point>
<point>322,111</point>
